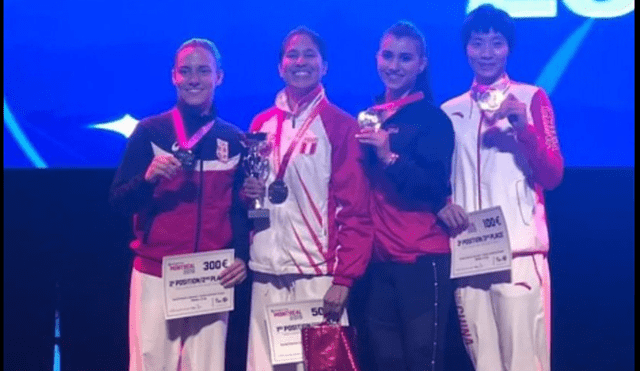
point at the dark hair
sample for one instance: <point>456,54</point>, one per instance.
<point>204,43</point>
<point>407,29</point>
<point>485,18</point>
<point>302,30</point>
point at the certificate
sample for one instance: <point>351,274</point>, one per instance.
<point>484,247</point>
<point>284,324</point>
<point>192,284</point>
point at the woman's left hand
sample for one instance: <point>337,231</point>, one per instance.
<point>334,301</point>
<point>377,138</point>
<point>234,274</point>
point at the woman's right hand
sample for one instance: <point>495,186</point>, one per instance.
<point>162,166</point>
<point>253,188</point>
<point>455,218</point>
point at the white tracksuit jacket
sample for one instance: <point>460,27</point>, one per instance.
<point>324,226</point>
<point>492,168</point>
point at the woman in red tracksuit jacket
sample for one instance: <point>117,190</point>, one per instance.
<point>409,164</point>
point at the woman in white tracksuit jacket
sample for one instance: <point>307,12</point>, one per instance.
<point>506,154</point>
<point>318,239</point>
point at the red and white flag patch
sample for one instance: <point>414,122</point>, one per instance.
<point>308,146</point>
<point>222,150</point>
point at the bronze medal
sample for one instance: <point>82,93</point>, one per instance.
<point>186,158</point>
<point>278,192</point>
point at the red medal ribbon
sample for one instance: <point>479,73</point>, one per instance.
<point>395,104</point>
<point>178,125</point>
<point>282,166</point>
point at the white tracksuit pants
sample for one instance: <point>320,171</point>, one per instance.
<point>505,323</point>
<point>268,289</point>
<point>183,344</point>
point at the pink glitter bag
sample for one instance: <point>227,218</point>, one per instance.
<point>329,347</point>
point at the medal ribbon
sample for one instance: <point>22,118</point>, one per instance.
<point>398,103</point>
<point>282,165</point>
<point>178,125</point>
<point>502,84</point>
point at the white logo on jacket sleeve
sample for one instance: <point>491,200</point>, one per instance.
<point>548,122</point>
<point>175,147</point>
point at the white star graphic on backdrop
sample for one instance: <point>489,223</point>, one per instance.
<point>123,126</point>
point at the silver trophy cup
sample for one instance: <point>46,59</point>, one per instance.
<point>256,165</point>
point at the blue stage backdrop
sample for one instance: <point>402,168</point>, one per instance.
<point>79,74</point>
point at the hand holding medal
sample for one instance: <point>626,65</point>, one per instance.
<point>370,122</point>
<point>186,158</point>
<point>378,139</point>
<point>515,111</point>
<point>372,117</point>
<point>369,119</point>
<point>161,166</point>
<point>491,99</point>
<point>183,152</point>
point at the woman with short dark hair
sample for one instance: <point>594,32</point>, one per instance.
<point>506,155</point>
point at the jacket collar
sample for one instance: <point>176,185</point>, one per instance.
<point>192,118</point>
<point>307,101</point>
<point>502,84</point>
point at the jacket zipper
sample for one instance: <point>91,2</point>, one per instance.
<point>478,160</point>
<point>199,212</point>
